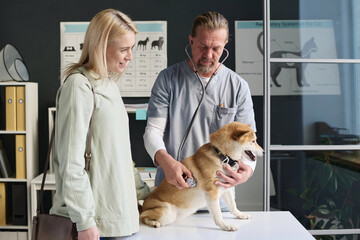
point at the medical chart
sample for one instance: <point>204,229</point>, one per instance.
<point>149,54</point>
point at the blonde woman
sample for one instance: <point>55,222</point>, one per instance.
<point>101,202</point>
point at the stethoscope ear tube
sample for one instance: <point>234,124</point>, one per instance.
<point>187,53</point>
<point>193,65</point>
<point>202,97</point>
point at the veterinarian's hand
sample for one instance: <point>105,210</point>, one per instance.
<point>173,169</point>
<point>89,234</point>
<point>235,178</point>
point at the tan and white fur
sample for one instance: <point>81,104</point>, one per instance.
<point>167,203</point>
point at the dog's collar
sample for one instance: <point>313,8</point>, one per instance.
<point>225,158</point>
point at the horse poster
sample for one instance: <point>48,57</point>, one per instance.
<point>149,54</point>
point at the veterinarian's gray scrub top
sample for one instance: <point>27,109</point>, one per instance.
<point>176,95</point>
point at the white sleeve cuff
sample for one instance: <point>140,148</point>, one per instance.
<point>250,163</point>
<point>153,137</point>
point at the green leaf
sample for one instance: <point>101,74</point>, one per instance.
<point>324,210</point>
<point>331,203</point>
<point>345,180</point>
<point>333,187</point>
<point>354,176</point>
<point>305,193</point>
<point>329,224</point>
<point>319,224</point>
<point>326,174</point>
<point>347,212</point>
<point>347,225</point>
<point>337,215</point>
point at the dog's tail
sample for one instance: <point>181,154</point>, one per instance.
<point>151,214</point>
<point>148,217</point>
<point>144,215</point>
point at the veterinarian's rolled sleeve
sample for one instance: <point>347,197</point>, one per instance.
<point>153,137</point>
<point>250,163</point>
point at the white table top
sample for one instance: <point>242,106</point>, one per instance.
<point>262,225</point>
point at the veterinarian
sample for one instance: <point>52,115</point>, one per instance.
<point>223,95</point>
<point>95,200</point>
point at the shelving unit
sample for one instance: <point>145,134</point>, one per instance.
<point>31,153</point>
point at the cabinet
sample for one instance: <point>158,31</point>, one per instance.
<point>17,186</point>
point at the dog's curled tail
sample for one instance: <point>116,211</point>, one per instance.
<point>147,217</point>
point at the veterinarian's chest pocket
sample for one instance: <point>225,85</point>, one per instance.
<point>221,117</point>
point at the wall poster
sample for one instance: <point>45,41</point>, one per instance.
<point>289,39</point>
<point>149,54</point>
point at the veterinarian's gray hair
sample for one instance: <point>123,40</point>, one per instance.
<point>106,27</point>
<point>211,21</point>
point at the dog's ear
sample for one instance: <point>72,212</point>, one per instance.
<point>236,135</point>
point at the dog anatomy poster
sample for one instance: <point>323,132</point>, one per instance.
<point>303,39</point>
<point>149,54</point>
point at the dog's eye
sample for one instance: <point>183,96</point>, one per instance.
<point>253,141</point>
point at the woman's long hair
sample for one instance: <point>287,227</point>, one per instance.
<point>106,27</point>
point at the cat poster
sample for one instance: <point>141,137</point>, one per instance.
<point>297,39</point>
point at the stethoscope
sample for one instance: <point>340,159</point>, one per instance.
<point>202,95</point>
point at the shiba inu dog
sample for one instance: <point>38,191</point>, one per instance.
<point>167,203</point>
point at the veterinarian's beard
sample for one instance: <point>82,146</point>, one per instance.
<point>205,69</point>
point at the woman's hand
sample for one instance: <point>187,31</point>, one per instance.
<point>89,234</point>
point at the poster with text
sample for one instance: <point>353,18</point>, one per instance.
<point>303,39</point>
<point>149,54</point>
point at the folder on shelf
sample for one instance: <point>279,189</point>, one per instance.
<point>20,156</point>
<point>19,214</point>
<point>20,108</point>
<point>5,169</point>
<point>2,204</point>
<point>10,109</point>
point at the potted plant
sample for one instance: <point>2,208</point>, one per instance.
<point>330,193</point>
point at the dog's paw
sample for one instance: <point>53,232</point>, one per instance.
<point>241,215</point>
<point>228,227</point>
<point>152,223</point>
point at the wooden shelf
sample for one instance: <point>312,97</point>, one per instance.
<point>31,148</point>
